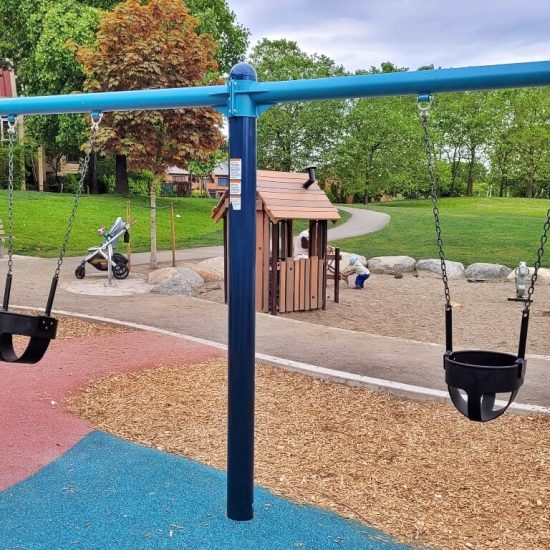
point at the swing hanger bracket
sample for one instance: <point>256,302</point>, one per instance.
<point>12,120</point>
<point>424,102</point>
<point>96,119</point>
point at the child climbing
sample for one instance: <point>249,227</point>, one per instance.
<point>355,266</point>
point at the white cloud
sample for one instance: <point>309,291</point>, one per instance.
<point>358,34</point>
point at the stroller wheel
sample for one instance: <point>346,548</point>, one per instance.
<point>80,272</point>
<point>121,271</point>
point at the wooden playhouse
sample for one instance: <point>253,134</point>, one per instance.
<point>283,283</point>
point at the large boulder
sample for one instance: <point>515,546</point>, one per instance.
<point>211,270</point>
<point>484,272</point>
<point>455,270</point>
<point>543,276</point>
<point>392,264</point>
<point>175,280</point>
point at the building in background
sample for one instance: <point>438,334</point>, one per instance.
<point>182,183</point>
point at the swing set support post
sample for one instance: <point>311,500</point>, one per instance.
<point>242,100</point>
<point>241,307</point>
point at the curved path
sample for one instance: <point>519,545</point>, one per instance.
<point>360,223</point>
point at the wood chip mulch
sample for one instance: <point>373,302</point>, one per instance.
<point>71,327</point>
<point>416,470</point>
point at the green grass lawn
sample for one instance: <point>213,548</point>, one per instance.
<point>40,222</point>
<point>493,230</point>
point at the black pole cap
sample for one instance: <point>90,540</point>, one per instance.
<point>311,177</point>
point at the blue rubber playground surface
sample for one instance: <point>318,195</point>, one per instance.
<point>106,493</point>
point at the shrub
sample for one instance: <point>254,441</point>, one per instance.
<point>18,166</point>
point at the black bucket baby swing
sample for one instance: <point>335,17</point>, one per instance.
<point>40,329</point>
<point>474,378</point>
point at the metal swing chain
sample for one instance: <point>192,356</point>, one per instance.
<point>96,119</point>
<point>428,145</point>
<point>11,149</point>
<point>540,253</point>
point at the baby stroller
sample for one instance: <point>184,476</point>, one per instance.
<point>99,255</point>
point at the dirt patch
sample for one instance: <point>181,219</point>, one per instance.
<point>418,471</point>
<point>413,308</point>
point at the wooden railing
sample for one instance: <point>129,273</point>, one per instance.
<point>300,284</point>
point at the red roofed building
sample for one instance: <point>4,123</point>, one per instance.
<point>7,83</point>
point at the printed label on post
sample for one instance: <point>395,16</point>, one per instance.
<point>235,202</point>
<point>235,169</point>
<point>235,188</point>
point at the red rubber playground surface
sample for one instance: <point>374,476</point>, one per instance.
<point>35,428</point>
<point>64,484</point>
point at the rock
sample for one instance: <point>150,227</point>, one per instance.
<point>175,286</point>
<point>454,269</point>
<point>543,276</point>
<point>180,273</point>
<point>483,271</point>
<point>392,264</point>
<point>211,270</point>
<point>175,280</point>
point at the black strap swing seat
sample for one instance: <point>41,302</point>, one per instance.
<point>41,329</point>
<point>475,378</point>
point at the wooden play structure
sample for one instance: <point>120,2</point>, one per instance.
<point>284,283</point>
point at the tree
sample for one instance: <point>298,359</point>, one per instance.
<point>380,150</point>
<point>529,137</point>
<point>217,20</point>
<point>293,135</point>
<point>153,45</point>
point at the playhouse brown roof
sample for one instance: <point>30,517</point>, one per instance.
<point>283,197</point>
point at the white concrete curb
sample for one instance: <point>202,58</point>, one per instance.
<point>379,384</point>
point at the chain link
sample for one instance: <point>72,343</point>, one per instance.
<point>428,145</point>
<point>540,253</point>
<point>83,170</point>
<point>11,148</point>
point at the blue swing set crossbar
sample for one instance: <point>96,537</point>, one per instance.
<point>257,95</point>
<point>242,100</point>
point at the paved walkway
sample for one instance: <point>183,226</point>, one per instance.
<point>394,359</point>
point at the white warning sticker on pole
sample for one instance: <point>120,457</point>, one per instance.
<point>235,188</point>
<point>235,202</point>
<point>235,169</point>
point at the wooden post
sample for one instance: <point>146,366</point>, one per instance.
<point>274,260</point>
<point>173,234</point>
<point>337,275</point>
<point>129,244</point>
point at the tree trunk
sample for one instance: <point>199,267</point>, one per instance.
<point>530,185</point>
<point>121,175</point>
<point>92,175</point>
<point>502,186</point>
<point>470,183</point>
<point>153,263</point>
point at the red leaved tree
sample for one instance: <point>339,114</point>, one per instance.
<point>153,44</point>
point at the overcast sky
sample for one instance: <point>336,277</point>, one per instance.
<point>358,34</point>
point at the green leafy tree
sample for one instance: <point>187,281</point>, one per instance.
<point>529,137</point>
<point>153,45</point>
<point>293,135</point>
<point>380,150</point>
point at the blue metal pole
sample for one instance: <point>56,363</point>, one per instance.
<point>257,94</point>
<point>241,306</point>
